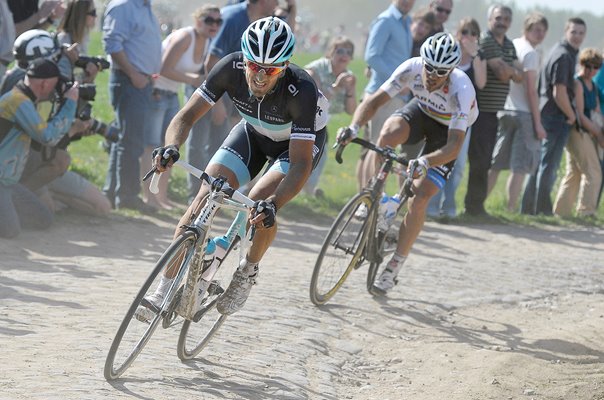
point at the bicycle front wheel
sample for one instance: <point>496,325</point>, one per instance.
<point>195,335</point>
<point>143,318</point>
<point>343,248</point>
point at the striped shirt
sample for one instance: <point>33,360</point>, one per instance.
<point>492,97</point>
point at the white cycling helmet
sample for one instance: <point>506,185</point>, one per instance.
<point>268,41</point>
<point>441,51</point>
<point>35,43</point>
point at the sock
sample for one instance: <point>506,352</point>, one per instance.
<point>396,263</point>
<point>164,285</point>
<point>249,268</point>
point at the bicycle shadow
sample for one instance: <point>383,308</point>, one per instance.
<point>457,327</point>
<point>214,384</point>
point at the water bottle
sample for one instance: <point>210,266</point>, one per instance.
<point>215,251</point>
<point>388,207</point>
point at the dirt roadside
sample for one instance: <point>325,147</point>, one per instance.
<point>482,312</point>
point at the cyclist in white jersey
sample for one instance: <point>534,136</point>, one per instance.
<point>442,109</point>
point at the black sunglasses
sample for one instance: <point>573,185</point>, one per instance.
<point>432,70</point>
<point>443,10</point>
<point>92,13</point>
<point>210,21</point>
<point>469,32</point>
<point>592,66</point>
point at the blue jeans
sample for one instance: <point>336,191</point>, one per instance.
<point>164,106</point>
<point>443,203</point>
<point>537,193</point>
<point>204,140</point>
<point>19,207</point>
<point>132,111</point>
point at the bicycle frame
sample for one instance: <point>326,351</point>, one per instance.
<point>376,188</point>
<point>218,199</point>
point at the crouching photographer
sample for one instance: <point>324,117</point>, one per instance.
<point>46,171</point>
<point>20,123</point>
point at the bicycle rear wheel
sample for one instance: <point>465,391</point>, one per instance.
<point>142,318</point>
<point>195,335</point>
<point>342,249</point>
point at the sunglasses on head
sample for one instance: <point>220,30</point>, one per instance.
<point>270,71</point>
<point>210,21</point>
<point>92,13</point>
<point>469,32</point>
<point>432,70</point>
<point>340,51</point>
<point>443,10</point>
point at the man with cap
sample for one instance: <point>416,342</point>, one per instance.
<point>20,123</point>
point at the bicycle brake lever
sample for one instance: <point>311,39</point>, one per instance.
<point>148,174</point>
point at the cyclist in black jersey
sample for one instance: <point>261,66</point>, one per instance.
<point>283,120</point>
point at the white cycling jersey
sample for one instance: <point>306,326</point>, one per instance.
<point>453,105</point>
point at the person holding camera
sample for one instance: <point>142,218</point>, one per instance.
<point>46,170</point>
<point>20,123</point>
<point>80,17</point>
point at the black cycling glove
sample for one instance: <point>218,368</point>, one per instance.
<point>268,208</point>
<point>168,153</point>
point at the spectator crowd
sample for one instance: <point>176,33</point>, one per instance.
<point>536,105</point>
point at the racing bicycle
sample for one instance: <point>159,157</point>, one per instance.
<point>201,261</point>
<point>354,237</point>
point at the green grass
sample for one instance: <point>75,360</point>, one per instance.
<point>337,181</point>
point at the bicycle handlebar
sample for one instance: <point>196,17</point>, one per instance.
<point>233,193</point>
<point>387,152</point>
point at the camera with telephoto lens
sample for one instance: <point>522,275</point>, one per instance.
<point>100,62</point>
<point>109,132</point>
<point>86,94</point>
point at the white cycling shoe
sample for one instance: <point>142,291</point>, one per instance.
<point>386,281</point>
<point>233,299</point>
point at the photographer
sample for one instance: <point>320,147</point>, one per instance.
<point>47,167</point>
<point>20,124</point>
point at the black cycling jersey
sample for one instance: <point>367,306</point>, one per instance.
<point>293,109</point>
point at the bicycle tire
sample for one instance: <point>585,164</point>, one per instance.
<point>346,237</point>
<point>183,245</point>
<point>374,266</point>
<point>183,349</point>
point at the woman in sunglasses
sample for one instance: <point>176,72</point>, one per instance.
<point>183,54</point>
<point>442,109</point>
<point>338,84</point>
<point>79,19</point>
<point>581,183</point>
<point>283,120</point>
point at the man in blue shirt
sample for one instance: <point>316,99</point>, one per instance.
<point>388,45</point>
<point>131,35</point>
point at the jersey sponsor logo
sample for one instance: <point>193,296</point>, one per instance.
<point>302,136</point>
<point>205,95</point>
<point>269,117</point>
<point>300,128</point>
<point>238,64</point>
<point>429,102</point>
